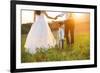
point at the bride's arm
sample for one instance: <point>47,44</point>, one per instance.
<point>49,16</point>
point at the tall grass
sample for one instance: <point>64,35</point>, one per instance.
<point>79,51</point>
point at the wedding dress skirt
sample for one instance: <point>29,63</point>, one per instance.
<point>39,36</point>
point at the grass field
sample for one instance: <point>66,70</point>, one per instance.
<point>79,51</point>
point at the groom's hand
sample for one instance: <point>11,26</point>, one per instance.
<point>56,17</point>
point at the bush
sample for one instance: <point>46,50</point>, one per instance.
<point>25,28</point>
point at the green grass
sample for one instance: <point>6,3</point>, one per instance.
<point>79,51</point>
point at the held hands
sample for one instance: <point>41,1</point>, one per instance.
<point>56,17</point>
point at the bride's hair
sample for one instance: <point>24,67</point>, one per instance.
<point>37,12</point>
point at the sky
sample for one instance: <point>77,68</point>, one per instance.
<point>27,16</point>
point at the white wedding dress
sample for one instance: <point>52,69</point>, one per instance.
<point>39,36</point>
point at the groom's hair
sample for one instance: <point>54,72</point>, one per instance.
<point>38,12</point>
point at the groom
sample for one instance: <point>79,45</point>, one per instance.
<point>69,26</point>
<point>69,29</point>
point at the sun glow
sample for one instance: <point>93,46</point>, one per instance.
<point>84,17</point>
<point>78,15</point>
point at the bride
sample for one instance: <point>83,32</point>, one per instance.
<point>40,35</point>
